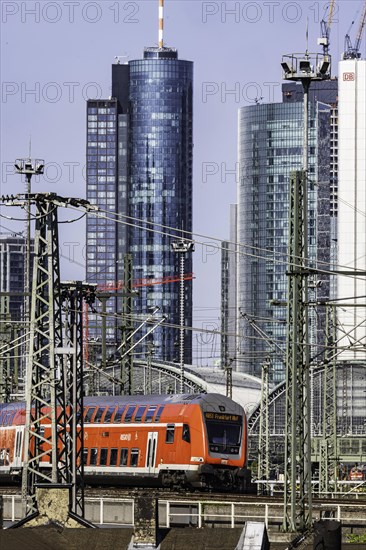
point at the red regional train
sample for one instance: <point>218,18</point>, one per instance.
<point>357,473</point>
<point>196,440</point>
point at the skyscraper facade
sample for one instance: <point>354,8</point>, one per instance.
<point>325,91</point>
<point>12,264</point>
<point>139,171</point>
<point>270,148</point>
<point>102,254</point>
<point>12,326</point>
<point>352,207</point>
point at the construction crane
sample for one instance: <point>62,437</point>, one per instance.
<point>353,52</point>
<point>325,29</point>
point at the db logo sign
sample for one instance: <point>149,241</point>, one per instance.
<point>349,77</point>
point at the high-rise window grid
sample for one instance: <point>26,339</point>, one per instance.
<point>139,165</point>
<point>270,145</point>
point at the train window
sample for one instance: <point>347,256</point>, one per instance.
<point>114,456</point>
<point>20,443</point>
<point>158,414</point>
<point>169,438</point>
<point>224,436</point>
<point>88,415</point>
<point>17,444</point>
<point>118,415</point>
<point>150,414</point>
<point>85,456</point>
<point>93,457</point>
<point>186,436</point>
<point>103,457</point>
<point>124,457</point>
<point>134,457</point>
<point>108,415</point>
<point>129,413</point>
<point>139,414</point>
<point>98,414</point>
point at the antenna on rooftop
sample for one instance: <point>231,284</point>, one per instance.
<point>161,24</point>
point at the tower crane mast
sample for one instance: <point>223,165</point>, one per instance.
<point>325,29</point>
<point>353,52</point>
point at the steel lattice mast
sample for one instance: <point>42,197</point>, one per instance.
<point>297,503</point>
<point>74,295</point>
<point>127,328</point>
<point>303,68</point>
<point>45,389</point>
<point>328,473</point>
<point>53,421</point>
<point>263,447</point>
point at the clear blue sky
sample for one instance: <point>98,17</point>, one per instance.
<point>63,51</point>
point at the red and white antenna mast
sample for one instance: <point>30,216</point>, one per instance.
<point>161,24</point>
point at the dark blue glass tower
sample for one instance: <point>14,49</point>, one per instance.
<point>161,182</point>
<point>152,184</point>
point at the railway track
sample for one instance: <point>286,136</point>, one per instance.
<point>163,494</point>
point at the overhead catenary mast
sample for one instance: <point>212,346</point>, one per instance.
<point>53,432</point>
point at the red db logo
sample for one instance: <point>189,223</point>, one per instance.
<point>349,77</point>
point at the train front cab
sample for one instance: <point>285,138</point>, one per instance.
<point>225,464</point>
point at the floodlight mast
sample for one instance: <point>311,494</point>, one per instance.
<point>304,68</point>
<point>182,247</point>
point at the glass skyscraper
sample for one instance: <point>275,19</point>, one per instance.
<point>270,147</point>
<point>12,264</point>
<point>139,166</point>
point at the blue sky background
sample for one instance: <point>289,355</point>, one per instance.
<point>63,51</point>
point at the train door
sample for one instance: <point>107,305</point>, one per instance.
<point>18,447</point>
<point>152,445</point>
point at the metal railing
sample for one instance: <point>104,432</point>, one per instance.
<point>267,513</point>
<point>119,511</point>
<point>97,510</point>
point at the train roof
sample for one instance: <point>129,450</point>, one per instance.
<point>206,401</point>
<point>14,406</point>
<point>153,399</point>
<point>203,399</point>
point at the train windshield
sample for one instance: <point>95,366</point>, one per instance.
<point>224,432</point>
